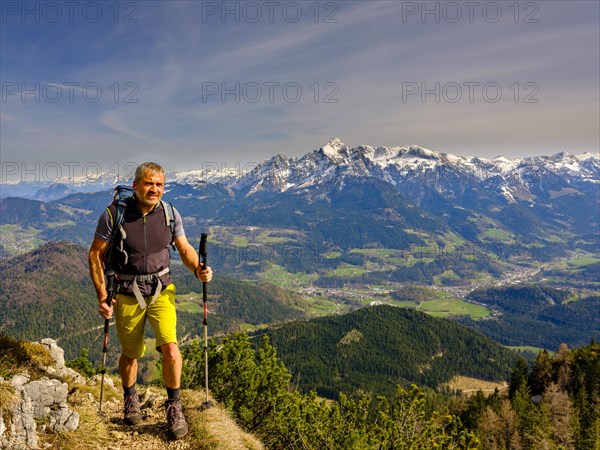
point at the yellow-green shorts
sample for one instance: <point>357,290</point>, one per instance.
<point>131,321</point>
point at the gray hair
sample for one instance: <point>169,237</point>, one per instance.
<point>151,167</point>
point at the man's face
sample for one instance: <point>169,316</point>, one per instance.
<point>149,190</point>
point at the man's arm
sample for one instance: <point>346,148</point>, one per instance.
<point>190,258</point>
<point>95,255</point>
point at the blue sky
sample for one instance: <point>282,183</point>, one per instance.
<point>190,83</point>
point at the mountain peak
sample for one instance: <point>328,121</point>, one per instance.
<point>334,147</point>
<point>422,152</point>
<point>336,142</point>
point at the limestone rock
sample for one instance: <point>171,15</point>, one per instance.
<point>44,399</point>
<point>63,419</point>
<point>21,430</point>
<point>65,372</point>
<point>45,395</point>
<point>149,399</point>
<point>97,379</point>
<point>59,369</point>
<point>57,353</point>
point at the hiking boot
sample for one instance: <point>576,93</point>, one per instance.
<point>132,412</point>
<point>175,420</point>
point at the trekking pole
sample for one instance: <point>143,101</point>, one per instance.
<point>202,251</point>
<point>110,289</point>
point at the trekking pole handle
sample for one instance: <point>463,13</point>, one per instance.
<point>202,249</point>
<point>110,287</point>
<point>110,291</point>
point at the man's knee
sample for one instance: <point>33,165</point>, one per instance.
<point>170,350</point>
<point>127,359</point>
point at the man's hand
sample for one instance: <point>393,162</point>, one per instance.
<point>204,275</point>
<point>105,310</point>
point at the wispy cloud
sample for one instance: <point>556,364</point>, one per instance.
<point>170,55</point>
<point>115,121</point>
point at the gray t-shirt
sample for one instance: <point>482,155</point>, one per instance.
<point>104,227</point>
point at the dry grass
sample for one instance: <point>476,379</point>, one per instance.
<point>214,427</point>
<point>470,386</point>
<point>19,356</point>
<point>8,399</point>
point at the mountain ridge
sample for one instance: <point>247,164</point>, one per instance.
<point>383,162</point>
<point>398,165</point>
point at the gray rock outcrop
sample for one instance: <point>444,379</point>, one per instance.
<point>43,399</point>
<point>21,429</point>
<point>49,400</point>
<point>57,353</point>
<point>59,369</point>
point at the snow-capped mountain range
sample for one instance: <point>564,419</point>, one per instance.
<point>403,167</point>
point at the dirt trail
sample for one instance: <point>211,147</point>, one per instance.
<point>151,433</point>
<point>209,429</point>
<point>109,431</point>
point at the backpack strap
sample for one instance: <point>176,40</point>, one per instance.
<point>169,211</point>
<point>117,228</point>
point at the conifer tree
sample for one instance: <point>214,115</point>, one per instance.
<point>500,430</point>
<point>563,362</point>
<point>564,421</point>
<point>518,377</point>
<point>541,375</point>
<point>534,420</point>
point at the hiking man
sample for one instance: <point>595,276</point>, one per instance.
<point>144,287</point>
